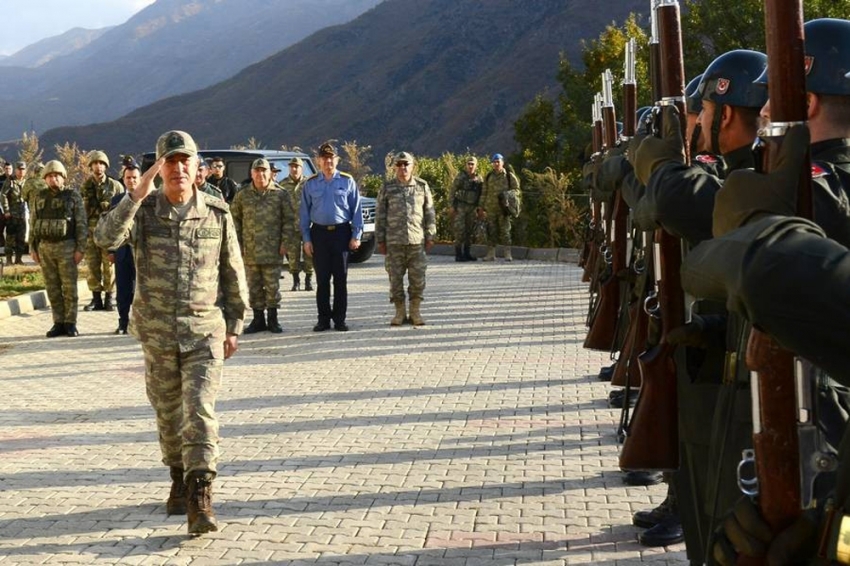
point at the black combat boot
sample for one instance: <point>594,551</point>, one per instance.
<point>296,282</point>
<point>107,302</point>
<point>122,326</point>
<point>308,283</point>
<point>199,512</point>
<point>58,329</point>
<point>18,260</point>
<point>176,504</point>
<point>9,258</point>
<point>459,253</point>
<point>467,253</point>
<point>258,324</point>
<point>71,329</point>
<point>274,325</point>
<point>96,303</point>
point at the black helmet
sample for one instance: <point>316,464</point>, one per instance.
<point>827,57</point>
<point>692,102</point>
<point>642,115</point>
<point>729,79</point>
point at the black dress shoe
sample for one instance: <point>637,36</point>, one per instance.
<point>648,519</point>
<point>321,326</point>
<point>71,329</point>
<point>606,373</point>
<point>643,478</point>
<point>616,398</point>
<point>341,326</point>
<point>668,531</point>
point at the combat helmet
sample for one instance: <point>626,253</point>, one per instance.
<point>54,166</point>
<point>729,79</point>
<point>97,155</point>
<point>827,57</point>
<point>693,103</point>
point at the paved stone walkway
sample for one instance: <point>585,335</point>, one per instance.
<point>481,438</point>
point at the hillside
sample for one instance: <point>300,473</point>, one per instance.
<point>48,49</point>
<point>168,48</point>
<point>424,75</point>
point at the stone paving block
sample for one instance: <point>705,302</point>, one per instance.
<point>481,438</point>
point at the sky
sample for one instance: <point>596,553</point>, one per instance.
<point>27,21</point>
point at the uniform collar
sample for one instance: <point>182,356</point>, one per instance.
<point>197,210</point>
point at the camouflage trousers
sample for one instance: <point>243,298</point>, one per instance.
<point>498,228</point>
<point>182,388</point>
<point>296,253</point>
<point>464,224</point>
<point>410,259</point>
<point>16,230</point>
<point>263,285</point>
<point>60,279</point>
<point>101,274</point>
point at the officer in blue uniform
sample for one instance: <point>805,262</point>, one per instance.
<point>122,257</point>
<point>331,226</point>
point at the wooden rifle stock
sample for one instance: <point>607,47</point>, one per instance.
<point>652,442</point>
<point>775,440</point>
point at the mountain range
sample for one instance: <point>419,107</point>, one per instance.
<point>170,47</point>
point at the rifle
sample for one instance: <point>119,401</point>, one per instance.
<point>652,441</point>
<point>591,264</point>
<point>603,325</point>
<point>775,452</point>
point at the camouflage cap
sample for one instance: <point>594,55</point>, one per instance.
<point>403,156</point>
<point>296,161</point>
<point>173,142</point>
<point>260,163</point>
<point>21,165</point>
<point>472,159</point>
<point>327,148</point>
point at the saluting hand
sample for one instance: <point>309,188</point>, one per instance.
<point>146,183</point>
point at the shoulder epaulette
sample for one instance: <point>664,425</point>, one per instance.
<point>215,202</point>
<point>313,176</point>
<point>344,174</point>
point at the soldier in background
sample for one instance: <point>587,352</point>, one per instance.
<point>264,219</point>
<point>59,230</point>
<point>201,180</point>
<point>97,192</point>
<point>463,199</point>
<point>185,338</point>
<point>298,260</point>
<point>15,213</point>
<point>122,257</point>
<point>405,228</point>
<point>217,178</point>
<point>497,181</point>
<point>33,185</point>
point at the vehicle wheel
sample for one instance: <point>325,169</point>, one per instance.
<point>364,252</point>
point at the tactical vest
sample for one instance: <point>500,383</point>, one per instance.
<point>54,217</point>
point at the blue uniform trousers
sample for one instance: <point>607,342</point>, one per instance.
<point>330,260</point>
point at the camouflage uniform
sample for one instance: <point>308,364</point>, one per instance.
<point>404,221</point>
<point>32,186</point>
<point>296,247</point>
<point>58,230</point>
<point>97,197</point>
<point>498,223</point>
<point>463,197</point>
<point>265,221</point>
<point>181,263</point>
<point>14,204</point>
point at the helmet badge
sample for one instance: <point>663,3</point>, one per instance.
<point>810,60</point>
<point>722,86</point>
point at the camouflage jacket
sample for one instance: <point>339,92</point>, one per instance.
<point>405,213</point>
<point>494,185</point>
<point>57,216</point>
<point>465,190</point>
<point>180,267</point>
<point>31,188</point>
<point>294,188</point>
<point>264,221</point>
<point>97,196</point>
<point>11,196</point>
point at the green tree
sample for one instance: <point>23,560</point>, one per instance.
<point>75,161</point>
<point>29,151</point>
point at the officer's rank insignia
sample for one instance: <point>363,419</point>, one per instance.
<point>722,86</point>
<point>818,171</point>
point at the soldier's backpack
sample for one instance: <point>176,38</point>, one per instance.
<point>510,200</point>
